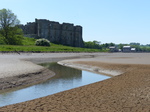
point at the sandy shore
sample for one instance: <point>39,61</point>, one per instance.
<point>127,91</point>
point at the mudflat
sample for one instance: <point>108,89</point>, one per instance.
<point>127,91</point>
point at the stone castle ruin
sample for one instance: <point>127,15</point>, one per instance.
<point>65,33</point>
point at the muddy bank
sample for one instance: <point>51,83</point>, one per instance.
<point>128,92</point>
<point>25,79</point>
<point>93,67</point>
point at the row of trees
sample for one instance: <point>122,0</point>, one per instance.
<point>97,45</point>
<point>9,32</point>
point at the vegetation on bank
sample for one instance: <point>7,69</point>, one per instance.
<point>28,45</point>
<point>97,45</point>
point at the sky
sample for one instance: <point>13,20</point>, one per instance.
<point>117,21</point>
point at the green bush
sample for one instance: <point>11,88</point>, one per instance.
<point>42,42</point>
<point>2,41</point>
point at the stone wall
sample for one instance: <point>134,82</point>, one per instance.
<point>65,33</point>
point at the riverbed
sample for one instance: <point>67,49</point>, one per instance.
<point>128,92</point>
<point>66,78</point>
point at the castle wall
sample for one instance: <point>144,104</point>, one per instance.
<point>66,33</point>
<point>54,32</point>
<point>78,36</point>
<point>42,28</point>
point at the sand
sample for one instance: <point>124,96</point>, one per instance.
<point>127,91</point>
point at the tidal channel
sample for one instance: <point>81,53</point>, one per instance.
<point>66,78</point>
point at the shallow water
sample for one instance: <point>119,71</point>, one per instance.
<point>66,78</point>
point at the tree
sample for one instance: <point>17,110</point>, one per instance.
<point>9,31</point>
<point>92,44</point>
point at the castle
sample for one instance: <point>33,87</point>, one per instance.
<point>65,33</point>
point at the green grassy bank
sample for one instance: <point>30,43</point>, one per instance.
<point>29,46</point>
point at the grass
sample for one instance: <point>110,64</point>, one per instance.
<point>29,46</point>
<point>28,41</point>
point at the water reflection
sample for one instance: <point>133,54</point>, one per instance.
<point>66,78</point>
<point>67,74</point>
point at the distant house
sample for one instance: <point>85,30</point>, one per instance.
<point>113,49</point>
<point>126,49</point>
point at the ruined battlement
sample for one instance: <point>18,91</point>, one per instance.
<point>65,33</point>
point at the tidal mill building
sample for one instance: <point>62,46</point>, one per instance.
<point>65,33</point>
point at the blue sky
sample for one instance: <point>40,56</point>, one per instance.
<point>117,21</point>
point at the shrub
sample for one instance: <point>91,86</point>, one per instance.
<point>42,42</point>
